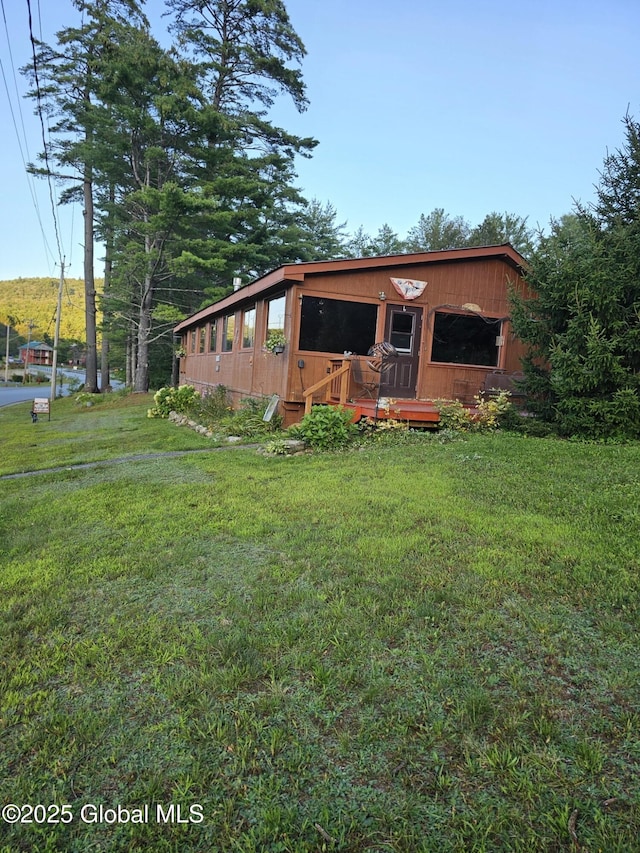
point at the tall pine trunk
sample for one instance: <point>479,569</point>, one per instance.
<point>105,378</point>
<point>91,364</point>
<point>141,383</point>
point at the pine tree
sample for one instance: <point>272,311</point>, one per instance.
<point>437,231</point>
<point>70,73</point>
<point>497,228</point>
<point>582,319</point>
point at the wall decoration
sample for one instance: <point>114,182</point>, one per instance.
<point>408,288</point>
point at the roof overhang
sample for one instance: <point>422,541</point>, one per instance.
<point>290,274</point>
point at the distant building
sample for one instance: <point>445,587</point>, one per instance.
<point>36,353</point>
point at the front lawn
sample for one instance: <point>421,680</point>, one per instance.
<point>423,647</point>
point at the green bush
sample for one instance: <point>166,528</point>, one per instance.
<point>326,428</point>
<point>453,415</point>
<point>248,420</point>
<point>488,414</point>
<point>182,400</point>
<point>513,421</point>
<point>214,405</point>
<point>615,417</point>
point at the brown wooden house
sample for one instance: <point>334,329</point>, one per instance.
<point>446,313</point>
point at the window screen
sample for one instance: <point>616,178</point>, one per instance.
<point>465,339</point>
<point>337,326</point>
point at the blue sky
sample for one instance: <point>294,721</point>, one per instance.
<point>468,105</point>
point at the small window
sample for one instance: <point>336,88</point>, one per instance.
<point>229,327</point>
<point>465,339</point>
<point>203,339</point>
<point>402,331</point>
<point>275,314</point>
<point>213,336</point>
<point>193,334</point>
<point>337,325</point>
<point>249,327</point>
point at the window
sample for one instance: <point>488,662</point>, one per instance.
<point>336,325</point>
<point>249,327</point>
<point>275,314</point>
<point>228,329</point>
<point>203,339</point>
<point>465,339</point>
<point>193,334</point>
<point>402,331</point>
<point>213,336</point>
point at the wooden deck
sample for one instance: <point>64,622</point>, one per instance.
<point>419,412</point>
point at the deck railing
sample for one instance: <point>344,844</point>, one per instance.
<point>336,383</point>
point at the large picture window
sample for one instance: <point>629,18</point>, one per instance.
<point>465,339</point>
<point>337,325</point>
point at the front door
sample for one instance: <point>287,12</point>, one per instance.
<point>403,329</point>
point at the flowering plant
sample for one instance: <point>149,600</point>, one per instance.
<point>275,340</point>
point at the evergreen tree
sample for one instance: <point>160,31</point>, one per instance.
<point>581,320</point>
<point>244,54</point>
<point>320,237</point>
<point>437,231</point>
<point>497,228</point>
<point>70,73</point>
<point>385,242</point>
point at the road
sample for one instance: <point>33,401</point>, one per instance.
<point>22,393</point>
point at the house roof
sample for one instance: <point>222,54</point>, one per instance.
<point>36,345</point>
<point>291,273</point>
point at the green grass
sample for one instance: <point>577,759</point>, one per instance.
<point>115,426</point>
<point>397,648</point>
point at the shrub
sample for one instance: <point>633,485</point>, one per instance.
<point>248,419</point>
<point>85,399</point>
<point>167,399</point>
<point>214,405</point>
<point>326,428</point>
<point>453,415</point>
<point>513,421</point>
<point>487,415</point>
<point>490,410</point>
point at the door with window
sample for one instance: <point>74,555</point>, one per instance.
<point>403,329</point>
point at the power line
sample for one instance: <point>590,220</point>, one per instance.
<point>44,140</point>
<point>20,139</point>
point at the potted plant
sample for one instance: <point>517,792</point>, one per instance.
<point>276,341</point>
<point>180,352</point>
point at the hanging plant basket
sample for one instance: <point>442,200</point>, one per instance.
<point>276,342</point>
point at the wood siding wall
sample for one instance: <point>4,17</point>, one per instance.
<point>257,372</point>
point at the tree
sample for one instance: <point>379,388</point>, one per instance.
<point>71,72</point>
<point>243,53</point>
<point>437,231</point>
<point>498,228</point>
<point>320,237</point>
<point>385,242</point>
<point>581,320</point>
<point>618,201</point>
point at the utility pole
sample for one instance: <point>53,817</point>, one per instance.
<point>6,358</point>
<point>56,339</point>
<point>28,352</point>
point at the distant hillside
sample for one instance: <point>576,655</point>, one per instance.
<point>35,299</point>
